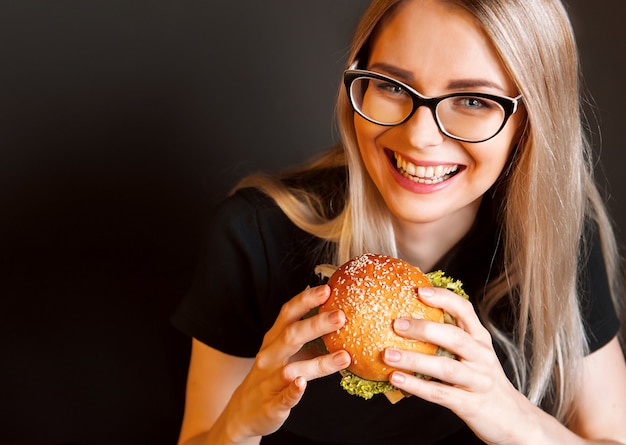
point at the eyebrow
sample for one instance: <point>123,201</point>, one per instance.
<point>393,70</point>
<point>457,84</point>
<point>473,83</point>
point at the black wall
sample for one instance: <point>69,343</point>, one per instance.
<point>601,37</point>
<point>119,123</point>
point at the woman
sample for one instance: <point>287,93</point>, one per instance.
<point>462,149</point>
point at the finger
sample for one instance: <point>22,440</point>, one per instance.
<point>441,368</point>
<point>290,384</point>
<point>431,391</point>
<point>294,336</point>
<point>303,331</point>
<point>298,307</point>
<point>301,304</point>
<point>280,405</point>
<point>317,367</point>
<point>446,336</point>
<point>291,395</point>
<point>461,309</point>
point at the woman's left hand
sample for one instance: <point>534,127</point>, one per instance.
<point>475,386</point>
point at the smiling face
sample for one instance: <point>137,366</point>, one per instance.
<point>423,175</point>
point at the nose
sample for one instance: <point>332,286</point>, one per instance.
<point>422,130</point>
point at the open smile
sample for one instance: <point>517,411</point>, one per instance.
<point>424,174</point>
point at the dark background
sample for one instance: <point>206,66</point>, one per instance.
<point>120,123</point>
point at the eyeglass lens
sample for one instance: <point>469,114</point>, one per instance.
<point>468,117</point>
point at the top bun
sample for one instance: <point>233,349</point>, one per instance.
<point>373,290</point>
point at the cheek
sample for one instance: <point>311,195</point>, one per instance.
<point>496,153</point>
<point>366,137</point>
<point>365,134</point>
<point>513,131</point>
<point>490,161</point>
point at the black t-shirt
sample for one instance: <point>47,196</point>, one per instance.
<point>256,260</point>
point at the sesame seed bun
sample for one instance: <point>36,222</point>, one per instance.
<point>373,290</point>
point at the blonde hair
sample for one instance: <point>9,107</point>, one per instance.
<point>548,195</point>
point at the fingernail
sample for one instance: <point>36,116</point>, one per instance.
<point>300,382</point>
<point>336,317</point>
<point>323,290</point>
<point>392,355</point>
<point>401,324</point>
<point>426,291</point>
<point>397,378</point>
<point>341,359</point>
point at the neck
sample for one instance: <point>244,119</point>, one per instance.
<point>424,244</point>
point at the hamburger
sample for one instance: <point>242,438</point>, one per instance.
<point>373,290</point>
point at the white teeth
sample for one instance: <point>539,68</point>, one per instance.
<point>424,174</point>
<point>409,168</point>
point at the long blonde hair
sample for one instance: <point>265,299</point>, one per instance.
<point>550,192</point>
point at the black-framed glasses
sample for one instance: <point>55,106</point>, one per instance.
<point>464,116</point>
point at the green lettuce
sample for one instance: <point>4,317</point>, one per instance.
<point>367,389</point>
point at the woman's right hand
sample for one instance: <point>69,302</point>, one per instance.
<point>281,370</point>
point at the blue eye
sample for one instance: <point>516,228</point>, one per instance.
<point>474,103</point>
<point>389,87</point>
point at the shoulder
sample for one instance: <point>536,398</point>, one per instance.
<point>244,201</point>
<point>251,225</point>
<point>327,183</point>
<point>253,259</point>
<point>244,213</point>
